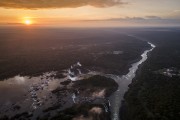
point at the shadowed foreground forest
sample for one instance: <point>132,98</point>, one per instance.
<point>153,96</point>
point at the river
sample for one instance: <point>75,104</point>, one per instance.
<point>123,82</point>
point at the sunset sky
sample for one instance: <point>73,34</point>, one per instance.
<point>91,12</point>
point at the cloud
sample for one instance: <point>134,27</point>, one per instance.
<point>37,4</point>
<point>153,17</point>
<point>176,11</point>
<point>146,18</point>
<point>142,21</point>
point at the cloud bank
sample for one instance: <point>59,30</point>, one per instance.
<point>37,4</point>
<point>147,19</point>
<point>140,21</point>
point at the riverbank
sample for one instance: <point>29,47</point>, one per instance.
<point>90,97</point>
<point>123,83</point>
<point>153,95</point>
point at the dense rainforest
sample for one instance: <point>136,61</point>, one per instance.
<point>153,96</point>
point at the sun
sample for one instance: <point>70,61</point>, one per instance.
<point>28,22</point>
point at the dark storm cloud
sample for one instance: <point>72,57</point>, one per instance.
<point>37,4</point>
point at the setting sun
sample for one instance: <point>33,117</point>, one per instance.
<point>27,22</point>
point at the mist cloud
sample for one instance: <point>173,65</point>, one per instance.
<point>37,4</point>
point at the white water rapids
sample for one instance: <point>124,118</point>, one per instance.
<point>123,82</point>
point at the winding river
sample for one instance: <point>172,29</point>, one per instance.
<point>123,82</point>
